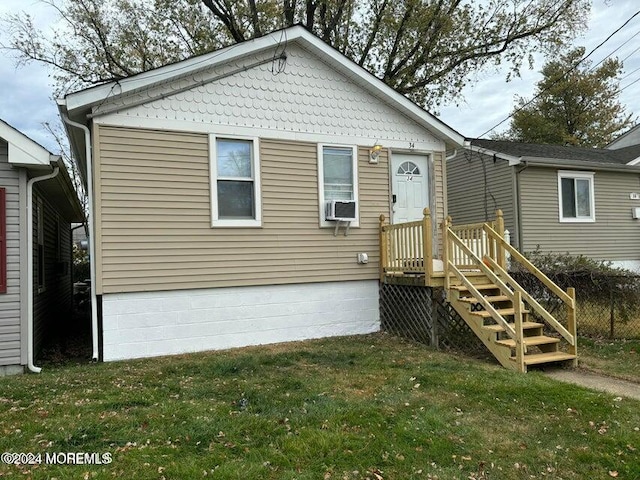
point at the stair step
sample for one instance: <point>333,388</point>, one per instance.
<point>501,311</point>
<point>530,341</point>
<point>538,358</point>
<point>479,286</point>
<point>525,326</point>
<point>490,298</point>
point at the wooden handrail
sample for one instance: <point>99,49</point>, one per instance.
<point>532,301</point>
<point>482,300</point>
<point>474,291</point>
<point>531,267</point>
<point>483,268</point>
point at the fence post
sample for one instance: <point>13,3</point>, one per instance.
<point>572,324</point>
<point>383,249</point>
<point>612,310</point>
<point>445,253</point>
<point>500,230</point>
<point>427,246</point>
<point>520,347</point>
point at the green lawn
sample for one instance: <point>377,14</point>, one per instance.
<point>352,408</point>
<point>616,358</point>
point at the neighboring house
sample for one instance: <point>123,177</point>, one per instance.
<point>213,181</point>
<point>33,301</point>
<point>583,201</point>
<point>628,139</point>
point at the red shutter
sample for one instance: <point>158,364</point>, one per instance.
<point>3,240</point>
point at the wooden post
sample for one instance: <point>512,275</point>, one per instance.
<point>500,251</point>
<point>446,224</point>
<point>517,314</point>
<point>383,248</point>
<point>427,246</point>
<point>572,324</point>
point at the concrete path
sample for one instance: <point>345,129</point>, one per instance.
<point>620,388</point>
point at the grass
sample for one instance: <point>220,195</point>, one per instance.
<point>615,358</point>
<point>371,407</point>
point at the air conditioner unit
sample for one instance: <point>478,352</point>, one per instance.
<point>341,210</point>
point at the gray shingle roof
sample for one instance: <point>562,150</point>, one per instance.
<point>620,156</point>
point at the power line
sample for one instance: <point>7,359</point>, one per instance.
<point>560,77</point>
<point>619,47</point>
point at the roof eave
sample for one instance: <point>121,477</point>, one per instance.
<point>562,163</point>
<point>513,160</point>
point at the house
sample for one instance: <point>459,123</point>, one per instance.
<point>560,199</point>
<point>235,196</point>
<point>37,205</point>
<point>628,139</point>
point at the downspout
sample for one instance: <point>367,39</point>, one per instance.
<point>30,365</point>
<point>92,259</point>
<point>519,203</point>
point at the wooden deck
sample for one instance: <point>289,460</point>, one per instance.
<point>472,269</point>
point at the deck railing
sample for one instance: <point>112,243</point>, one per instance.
<point>474,236</point>
<point>406,247</point>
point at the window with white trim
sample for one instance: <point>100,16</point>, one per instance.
<point>235,182</point>
<point>337,177</point>
<point>576,196</point>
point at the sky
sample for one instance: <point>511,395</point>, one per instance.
<point>26,101</point>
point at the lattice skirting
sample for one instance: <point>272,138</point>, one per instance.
<point>423,315</point>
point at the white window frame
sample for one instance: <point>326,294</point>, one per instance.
<point>581,176</point>
<point>321,198</point>
<point>216,221</point>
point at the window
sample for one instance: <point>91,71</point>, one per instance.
<point>408,168</point>
<point>235,182</point>
<point>575,196</point>
<point>3,240</point>
<point>39,241</point>
<point>337,177</point>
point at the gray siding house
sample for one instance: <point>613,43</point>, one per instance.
<point>36,209</point>
<point>560,199</point>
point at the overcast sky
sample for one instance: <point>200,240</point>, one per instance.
<point>26,101</point>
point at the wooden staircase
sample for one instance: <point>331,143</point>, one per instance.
<point>536,347</point>
<point>504,316</point>
<point>507,318</point>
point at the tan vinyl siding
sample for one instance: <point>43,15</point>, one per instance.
<point>10,301</point>
<point>469,201</point>
<point>155,219</point>
<point>613,236</point>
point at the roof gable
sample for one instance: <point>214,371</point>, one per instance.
<point>80,104</point>
<point>22,150</point>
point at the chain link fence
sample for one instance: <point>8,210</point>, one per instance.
<point>608,305</point>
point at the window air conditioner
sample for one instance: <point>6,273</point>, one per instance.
<point>341,210</point>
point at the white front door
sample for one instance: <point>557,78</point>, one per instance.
<point>410,175</point>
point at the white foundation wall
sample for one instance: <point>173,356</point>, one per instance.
<point>147,324</point>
